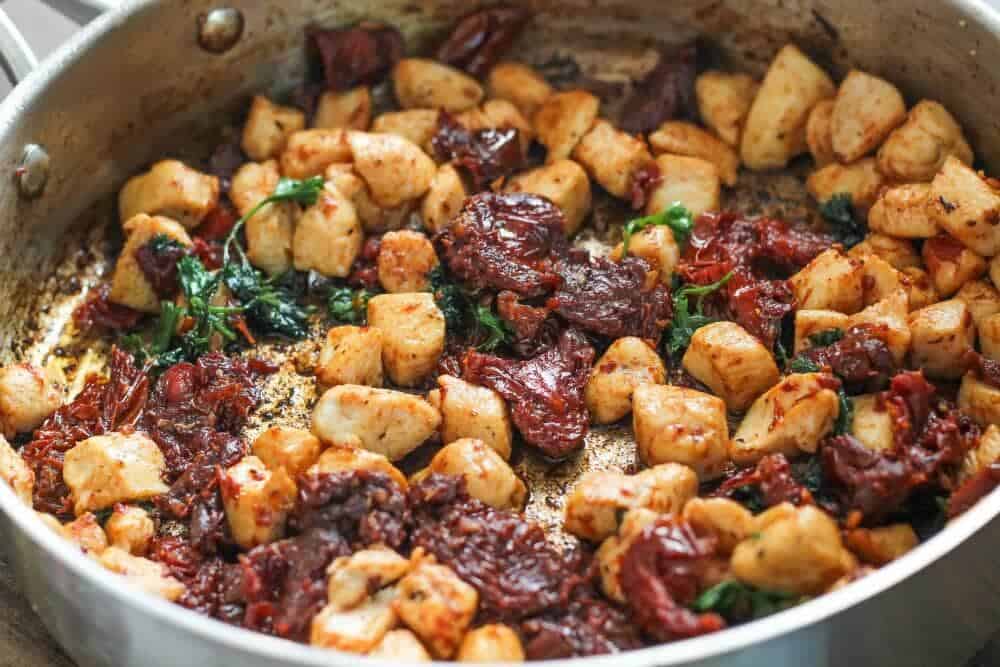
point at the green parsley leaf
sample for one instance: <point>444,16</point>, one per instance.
<point>464,316</point>
<point>494,329</point>
<point>803,365</point>
<point>347,305</point>
<point>685,322</point>
<point>826,338</point>
<point>736,601</point>
<point>161,243</point>
<point>269,306</point>
<point>305,192</point>
<point>845,418</point>
<point>838,211</point>
<point>676,216</point>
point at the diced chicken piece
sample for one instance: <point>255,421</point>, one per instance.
<point>724,101</point>
<point>395,169</point>
<point>404,260</point>
<point>915,151</point>
<point>417,125</point>
<point>989,336</point>
<point>86,532</point>
<point>284,448</point>
<point>872,423</point>
<point>731,362</point>
<point>171,189</point>
<point>942,335</point>
<point>356,630</point>
<point>565,184</point>
<point>374,218</point>
<point>427,84</point>
<point>444,199</point>
<point>400,647</point>
<point>491,643</point>
<point>27,397</point>
<point>328,237</point>
<point>810,322</point>
<point>950,264</point>
<point>984,454</point>
<point>520,84</point>
<point>966,206</point>
<point>611,156</point>
<point>499,114</point>
<point>861,180</point>
<point>888,320</point>
<point>351,355</point>
<point>257,501</point>
<point>613,549</point>
<point>866,111</point>
<point>832,281</point>
<point>791,417</point>
<point>793,550</point>
<point>345,459</point>
<point>626,365</point>
<point>350,109</point>
<point>131,529</point>
<point>563,119</point>
<point>727,521</point>
<point>919,288</point>
<point>351,579</point>
<point>594,507</point>
<point>437,606</point>
<point>775,130</point>
<point>487,475</point>
<point>150,576</point>
<point>471,411</point>
<point>657,245</point>
<point>270,230</point>
<point>900,253</point>
<point>413,333</point>
<point>114,468</point>
<point>980,400</point>
<point>689,180</point>
<point>386,422</point>
<point>982,299</point>
<point>902,212</point>
<point>681,138</point>
<point>309,152</point>
<point>818,134</point>
<point>879,279</point>
<point>16,472</point>
<point>129,285</point>
<point>882,545</point>
<point>268,127</point>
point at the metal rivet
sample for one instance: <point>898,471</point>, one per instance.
<point>32,171</point>
<point>220,29</point>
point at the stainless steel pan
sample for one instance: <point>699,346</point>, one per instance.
<point>136,82</point>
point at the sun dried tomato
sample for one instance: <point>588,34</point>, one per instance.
<point>158,263</point>
<point>589,625</point>
<point>99,312</point>
<point>480,39</point>
<point>218,223</point>
<point>666,92</point>
<point>986,369</point>
<point>226,159</point>
<point>485,154</point>
<point>662,573</point>
<point>545,392</point>
<point>771,479</point>
<point>861,359</point>
<point>526,321</point>
<point>612,299</point>
<point>353,56</point>
<point>506,242</point>
<point>643,181</point>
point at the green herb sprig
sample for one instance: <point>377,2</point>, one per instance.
<point>685,321</point>
<point>305,192</point>
<point>839,213</point>
<point>464,316</point>
<point>736,601</point>
<point>347,305</point>
<point>676,216</point>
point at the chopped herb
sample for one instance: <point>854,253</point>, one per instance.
<point>200,286</point>
<point>826,338</point>
<point>490,326</point>
<point>803,365</point>
<point>347,305</point>
<point>268,304</point>
<point>736,601</point>
<point>686,322</point>
<point>750,497</point>
<point>450,299</point>
<point>838,211</point>
<point>845,417</point>
<point>288,189</point>
<point>161,243</point>
<point>464,316</point>
<point>676,217</point>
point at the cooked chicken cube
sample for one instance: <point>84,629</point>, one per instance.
<point>818,133</point>
<point>832,281</point>
<point>131,529</point>
<point>351,579</point>
<point>966,206</point>
<point>861,180</point>
<point>129,285</point>
<point>989,336</point>
<point>426,84</point>
<point>444,199</point>
<point>951,264</point>
<point>888,322</point>
<point>727,521</point>
<point>374,218</point>
<point>775,129</point>
<point>915,151</point>
<point>257,501</point>
<point>350,109</point>
<point>879,279</point>
<point>595,505</point>
<point>681,138</point>
<point>900,253</point>
<point>404,260</point>
<point>284,448</point>
<point>866,111</point>
<point>731,362</point>
<point>268,127</point>
<point>470,411</point>
<point>386,422</point>
<point>345,459</point>
<point>412,335</point>
<point>984,454</point>
<point>171,189</point>
<point>792,550</point>
<point>563,119</point>
<point>147,575</point>
<point>982,299</point>
<point>657,245</point>
<point>680,425</point>
<point>565,184</point>
<point>942,335</point>
<point>611,157</point>
<point>882,545</point>
<point>724,101</point>
<point>270,230</point>
<point>487,475</point>
<point>356,630</point>
<point>613,549</point>
<point>980,400</point>
<point>519,84</point>
<point>417,125</point>
<point>810,322</point>
<point>872,423</point>
<point>626,365</point>
<point>919,288</point>
<point>308,153</point>
<point>395,169</point>
<point>902,212</point>
<point>437,606</point>
<point>27,396</point>
<point>114,468</point>
<point>400,647</point>
<point>491,643</point>
<point>689,180</point>
<point>499,114</point>
<point>351,355</point>
<point>16,472</point>
<point>791,417</point>
<point>86,533</point>
<point>328,237</point>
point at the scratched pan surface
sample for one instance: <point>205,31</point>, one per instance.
<point>134,86</point>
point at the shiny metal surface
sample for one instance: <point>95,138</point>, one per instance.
<point>123,90</point>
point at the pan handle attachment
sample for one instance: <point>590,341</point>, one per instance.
<point>17,59</point>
